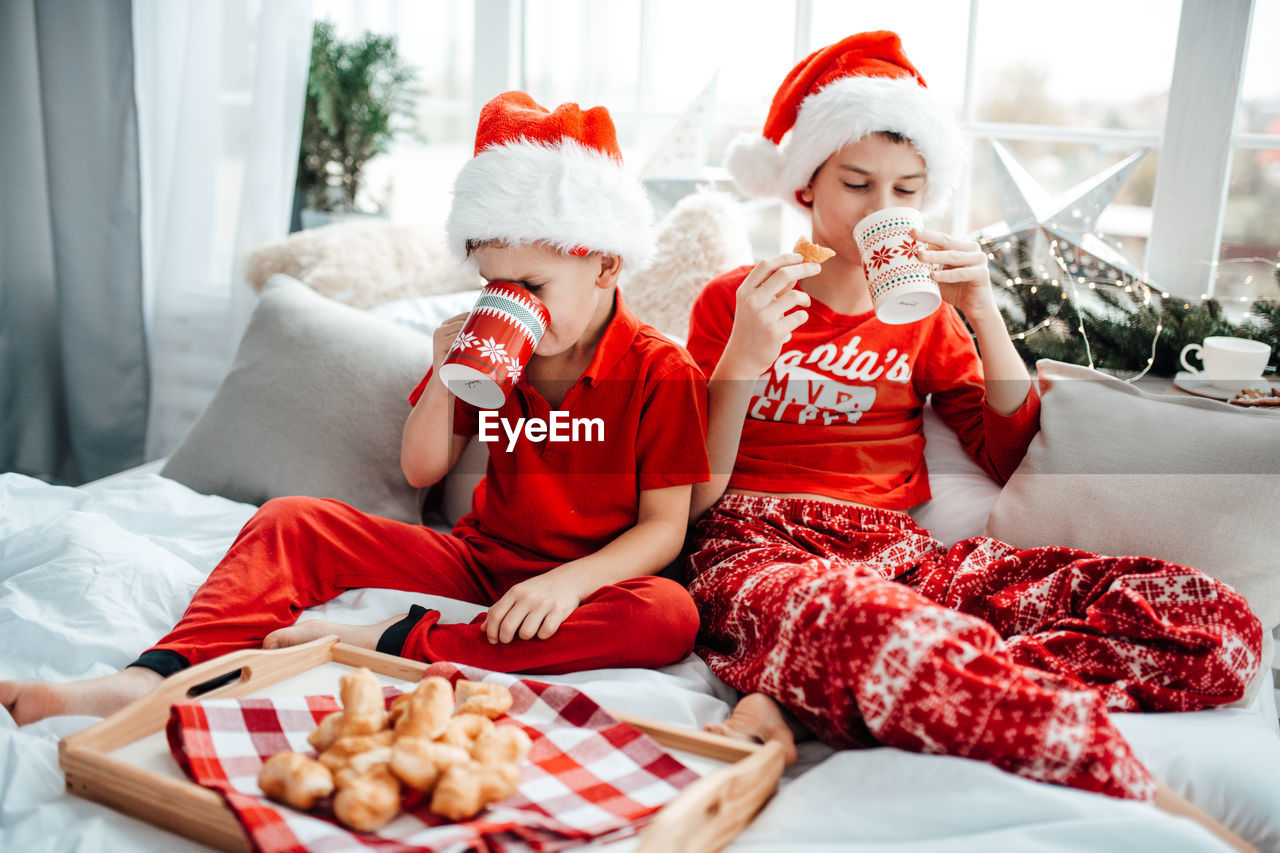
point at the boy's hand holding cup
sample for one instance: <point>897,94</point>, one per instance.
<point>494,345</point>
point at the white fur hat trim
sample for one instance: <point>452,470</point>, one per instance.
<point>565,196</point>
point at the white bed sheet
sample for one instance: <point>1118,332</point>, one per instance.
<point>91,576</point>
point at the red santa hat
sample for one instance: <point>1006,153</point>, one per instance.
<point>550,177</point>
<point>835,97</point>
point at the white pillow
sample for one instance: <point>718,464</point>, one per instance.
<point>425,313</point>
<point>963,493</point>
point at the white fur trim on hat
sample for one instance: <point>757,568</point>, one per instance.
<point>565,196</point>
<point>841,114</point>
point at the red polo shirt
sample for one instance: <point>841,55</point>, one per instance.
<point>640,411</point>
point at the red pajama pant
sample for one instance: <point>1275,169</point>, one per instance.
<point>295,553</point>
<point>869,631</point>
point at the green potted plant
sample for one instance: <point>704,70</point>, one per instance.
<point>359,98</point>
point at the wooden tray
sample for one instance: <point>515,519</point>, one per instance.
<point>124,761</point>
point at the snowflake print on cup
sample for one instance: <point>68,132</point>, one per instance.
<point>493,350</point>
<point>465,341</point>
<point>881,257</point>
<point>494,345</point>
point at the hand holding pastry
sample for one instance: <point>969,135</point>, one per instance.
<point>769,308</point>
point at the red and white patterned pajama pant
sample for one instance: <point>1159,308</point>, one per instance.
<point>870,631</point>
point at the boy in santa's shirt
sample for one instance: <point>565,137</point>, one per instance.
<point>565,538</point>
<point>818,593</point>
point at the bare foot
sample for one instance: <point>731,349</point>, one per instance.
<point>29,701</point>
<point>1168,800</point>
<point>758,718</point>
<point>364,636</point>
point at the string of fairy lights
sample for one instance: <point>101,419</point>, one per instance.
<point>1127,284</point>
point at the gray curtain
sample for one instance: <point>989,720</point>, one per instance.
<point>73,353</point>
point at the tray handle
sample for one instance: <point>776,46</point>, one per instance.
<point>234,674</point>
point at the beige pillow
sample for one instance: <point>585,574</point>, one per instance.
<point>1117,470</point>
<point>313,405</point>
<point>364,262</point>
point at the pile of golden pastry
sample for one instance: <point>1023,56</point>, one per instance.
<point>366,753</point>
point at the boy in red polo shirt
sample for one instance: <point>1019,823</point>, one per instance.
<point>565,538</point>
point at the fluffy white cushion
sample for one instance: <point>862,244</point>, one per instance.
<point>364,262</point>
<point>700,238</point>
<point>313,405</point>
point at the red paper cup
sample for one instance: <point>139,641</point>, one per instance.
<point>902,286</point>
<point>494,345</point>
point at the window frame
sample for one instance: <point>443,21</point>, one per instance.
<point>1193,178</point>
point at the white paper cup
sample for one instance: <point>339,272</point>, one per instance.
<point>1229,363</point>
<point>902,287</point>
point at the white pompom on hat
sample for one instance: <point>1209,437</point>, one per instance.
<point>836,96</point>
<point>549,177</point>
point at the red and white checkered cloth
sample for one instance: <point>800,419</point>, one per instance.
<point>587,776</point>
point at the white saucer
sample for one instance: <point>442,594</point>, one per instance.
<point>1193,384</point>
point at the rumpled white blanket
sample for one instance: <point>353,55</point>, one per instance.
<point>90,577</point>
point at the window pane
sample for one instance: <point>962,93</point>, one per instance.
<point>1260,100</point>
<point>934,34</point>
<point>412,181</point>
<point>582,51</point>
<point>436,36</point>
<point>748,41</point>
<point>1089,63</point>
<point>1125,223</point>
<point>1251,226</point>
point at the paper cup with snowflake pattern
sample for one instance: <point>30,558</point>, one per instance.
<point>902,287</point>
<point>495,344</point>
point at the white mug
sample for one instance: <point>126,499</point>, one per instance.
<point>1229,363</point>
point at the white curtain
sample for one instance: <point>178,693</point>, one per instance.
<point>220,86</point>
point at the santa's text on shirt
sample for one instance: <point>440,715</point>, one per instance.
<point>559,427</point>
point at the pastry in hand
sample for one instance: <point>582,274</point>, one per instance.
<point>812,252</point>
